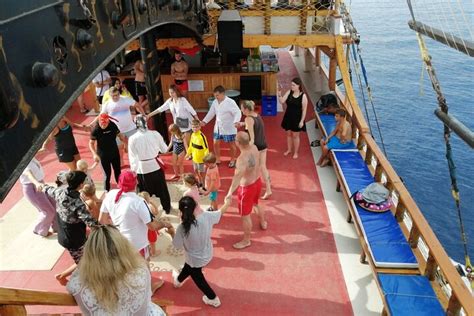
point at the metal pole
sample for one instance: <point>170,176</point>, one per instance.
<point>456,126</point>
<point>153,83</point>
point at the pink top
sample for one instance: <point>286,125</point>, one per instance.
<point>194,193</point>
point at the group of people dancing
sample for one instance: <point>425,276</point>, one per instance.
<point>124,224</point>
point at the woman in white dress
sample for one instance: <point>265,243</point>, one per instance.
<point>181,110</point>
<point>119,287</point>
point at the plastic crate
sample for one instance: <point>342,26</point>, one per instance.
<point>269,105</point>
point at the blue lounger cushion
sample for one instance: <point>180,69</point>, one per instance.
<point>329,124</point>
<point>409,295</point>
<point>382,233</point>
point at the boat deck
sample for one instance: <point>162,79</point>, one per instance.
<point>306,263</point>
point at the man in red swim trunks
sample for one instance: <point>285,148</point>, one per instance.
<point>247,179</point>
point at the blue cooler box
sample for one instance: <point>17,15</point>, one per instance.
<point>269,105</point>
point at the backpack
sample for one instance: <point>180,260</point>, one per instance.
<point>325,101</point>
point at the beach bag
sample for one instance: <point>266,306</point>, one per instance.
<point>182,122</point>
<point>375,198</point>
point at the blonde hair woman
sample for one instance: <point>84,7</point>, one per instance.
<point>119,287</point>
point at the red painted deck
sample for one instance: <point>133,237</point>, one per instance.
<point>290,269</point>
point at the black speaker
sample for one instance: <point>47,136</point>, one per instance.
<point>229,31</point>
<point>251,87</point>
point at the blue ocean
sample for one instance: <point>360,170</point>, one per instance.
<point>405,103</point>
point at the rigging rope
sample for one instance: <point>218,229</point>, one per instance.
<point>359,81</point>
<point>447,133</point>
<point>358,56</point>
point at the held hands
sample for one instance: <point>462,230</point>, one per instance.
<point>96,158</point>
<point>40,187</point>
<point>228,199</point>
<point>239,124</point>
<point>170,230</point>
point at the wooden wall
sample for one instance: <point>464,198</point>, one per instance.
<point>229,80</point>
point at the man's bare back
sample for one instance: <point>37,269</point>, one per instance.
<point>248,163</point>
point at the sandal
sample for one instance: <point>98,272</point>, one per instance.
<point>240,245</point>
<point>232,164</point>
<point>315,143</point>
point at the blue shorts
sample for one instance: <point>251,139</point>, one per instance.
<point>213,196</point>
<point>335,143</point>
<point>225,138</point>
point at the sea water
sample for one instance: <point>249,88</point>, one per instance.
<point>412,134</point>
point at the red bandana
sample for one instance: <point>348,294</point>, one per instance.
<point>127,183</point>
<point>104,118</point>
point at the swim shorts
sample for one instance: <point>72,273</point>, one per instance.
<point>213,196</point>
<point>248,196</point>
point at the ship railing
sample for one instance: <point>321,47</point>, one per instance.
<point>276,17</point>
<point>14,301</point>
<point>434,262</point>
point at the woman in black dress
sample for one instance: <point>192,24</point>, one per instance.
<point>293,120</point>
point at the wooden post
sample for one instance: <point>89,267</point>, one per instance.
<point>297,51</point>
<point>431,266</point>
<point>266,18</point>
<point>378,172</point>
<point>454,306</point>
<point>414,236</point>
<point>304,20</point>
<point>308,61</point>
<point>317,57</point>
<point>332,74</point>
<point>400,211</point>
<point>368,156</point>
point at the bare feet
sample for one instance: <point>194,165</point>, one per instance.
<point>267,195</point>
<point>155,285</point>
<point>286,153</point>
<point>242,244</point>
<point>61,279</point>
<point>154,252</point>
<point>324,163</point>
<point>264,225</point>
<point>295,156</point>
<point>174,177</point>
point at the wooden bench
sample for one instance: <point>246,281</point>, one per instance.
<point>389,253</point>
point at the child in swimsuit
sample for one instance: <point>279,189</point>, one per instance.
<point>177,146</point>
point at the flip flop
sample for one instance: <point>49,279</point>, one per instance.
<point>315,143</point>
<point>232,164</point>
<point>240,246</point>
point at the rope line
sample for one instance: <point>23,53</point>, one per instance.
<point>447,134</point>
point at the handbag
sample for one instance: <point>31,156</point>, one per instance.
<point>182,122</point>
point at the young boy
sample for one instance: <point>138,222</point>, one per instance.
<point>197,149</point>
<point>213,180</point>
<point>340,137</point>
